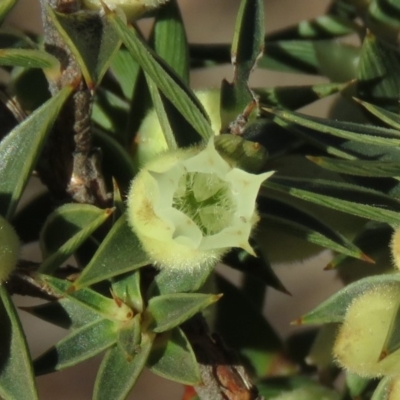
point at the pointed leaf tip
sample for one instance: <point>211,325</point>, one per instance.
<point>298,321</point>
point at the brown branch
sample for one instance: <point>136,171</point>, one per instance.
<point>69,166</point>
<point>223,377</point>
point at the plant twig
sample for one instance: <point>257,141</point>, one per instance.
<point>69,166</point>
<point>224,378</point>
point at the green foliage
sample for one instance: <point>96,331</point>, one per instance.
<point>336,186</point>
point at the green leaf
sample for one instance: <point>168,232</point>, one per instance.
<point>378,81</point>
<point>170,281</point>
<point>127,288</point>
<point>117,374</point>
<point>126,71</point>
<point>92,40</point>
<point>290,56</point>
<point>388,169</point>
<point>66,229</point>
<point>96,302</point>
<point>345,148</point>
<point>81,344</point>
<point>248,40</point>
<point>384,388</point>
<point>168,311</point>
<point>170,41</point>
<point>247,46</point>
<point>165,78</point>
<point>285,55</point>
<point>334,309</point>
<point>28,58</point>
<point>340,196</point>
<point>172,357</point>
<point>129,335</point>
<point>20,149</point>
<point>322,27</point>
<point>306,226</point>
<point>390,118</point>
<point>5,7</point>
<point>65,313</point>
<point>294,97</point>
<point>366,134</point>
<point>15,361</point>
<point>161,106</point>
<point>356,384</point>
<point>119,252</point>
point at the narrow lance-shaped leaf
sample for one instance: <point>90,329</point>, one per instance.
<point>286,56</point>
<point>20,149</point>
<point>80,345</point>
<point>172,357</point>
<point>387,389</point>
<point>388,117</point>
<point>308,227</point>
<point>366,134</point>
<point>322,27</point>
<point>176,281</point>
<point>165,78</point>
<point>247,46</point>
<point>294,97</point>
<point>15,360</point>
<point>127,288</point>
<point>96,302</point>
<point>119,252</point>
<point>388,169</point>
<point>126,71</point>
<point>65,313</point>
<point>170,41</point>
<point>352,199</point>
<point>162,115</point>
<point>117,374</point>
<point>378,64</point>
<point>168,311</point>
<point>66,229</point>
<point>28,58</point>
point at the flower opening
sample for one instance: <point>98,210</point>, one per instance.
<point>190,206</point>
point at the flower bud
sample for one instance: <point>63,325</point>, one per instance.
<point>150,139</point>
<point>189,206</point>
<point>9,249</point>
<point>360,343</point>
<point>132,9</point>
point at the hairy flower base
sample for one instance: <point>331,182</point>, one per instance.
<point>190,206</point>
<point>360,344</point>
